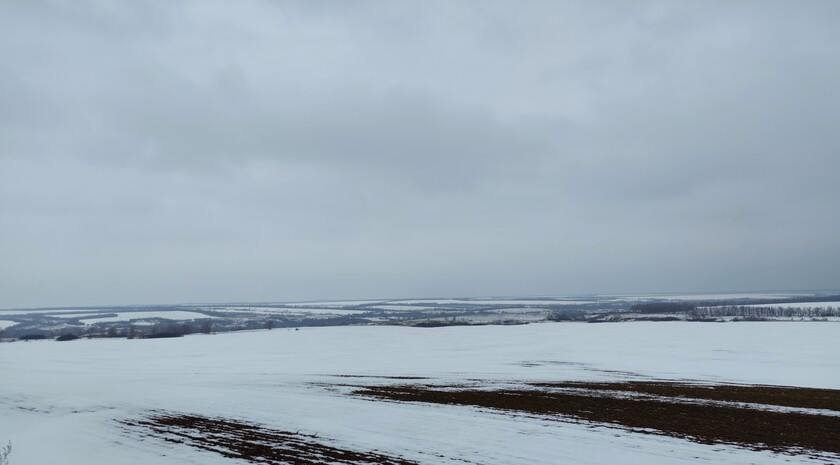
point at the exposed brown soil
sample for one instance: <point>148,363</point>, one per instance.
<point>760,394</point>
<point>254,443</point>
<point>705,423</point>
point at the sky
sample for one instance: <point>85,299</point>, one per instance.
<point>209,151</point>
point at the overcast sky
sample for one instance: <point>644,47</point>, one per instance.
<point>155,152</point>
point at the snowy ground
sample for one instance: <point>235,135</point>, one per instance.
<point>100,321</point>
<point>282,311</point>
<point>128,316</point>
<point>60,402</point>
<point>715,296</point>
<point>334,303</point>
<point>486,301</point>
<point>800,305</point>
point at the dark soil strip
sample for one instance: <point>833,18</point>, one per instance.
<point>752,428</point>
<point>773,395</point>
<point>382,377</point>
<point>254,443</point>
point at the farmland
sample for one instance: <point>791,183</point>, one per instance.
<point>372,394</point>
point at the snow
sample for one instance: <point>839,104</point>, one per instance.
<point>834,304</point>
<point>488,301</point>
<point>59,402</point>
<point>128,316</point>
<point>720,296</point>
<point>48,312</point>
<point>81,315</point>
<point>528,302</point>
<point>508,310</point>
<point>407,307</point>
<point>430,301</point>
<point>287,311</point>
<point>343,303</point>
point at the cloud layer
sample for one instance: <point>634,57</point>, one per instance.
<point>202,151</point>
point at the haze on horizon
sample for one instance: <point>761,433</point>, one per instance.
<point>204,151</point>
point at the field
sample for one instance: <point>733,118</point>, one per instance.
<point>392,394</point>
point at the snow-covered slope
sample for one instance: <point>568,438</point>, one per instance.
<point>61,402</point>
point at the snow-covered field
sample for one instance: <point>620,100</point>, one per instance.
<point>332,303</point>
<point>79,315</point>
<point>800,305</point>
<point>128,316</point>
<point>485,301</point>
<point>283,311</point>
<point>42,311</point>
<point>491,301</point>
<point>403,307</point>
<point>718,296</point>
<point>60,402</point>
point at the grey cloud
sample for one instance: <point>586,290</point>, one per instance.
<point>283,150</point>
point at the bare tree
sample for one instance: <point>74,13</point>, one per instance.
<point>5,452</point>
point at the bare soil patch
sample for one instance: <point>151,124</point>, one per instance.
<point>255,443</point>
<point>785,396</point>
<point>709,423</point>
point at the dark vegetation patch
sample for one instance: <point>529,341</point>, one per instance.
<point>757,429</point>
<point>254,443</point>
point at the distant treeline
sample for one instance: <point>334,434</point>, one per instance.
<point>168,328</point>
<point>663,307</point>
<point>745,311</point>
<point>718,308</point>
<point>119,329</point>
